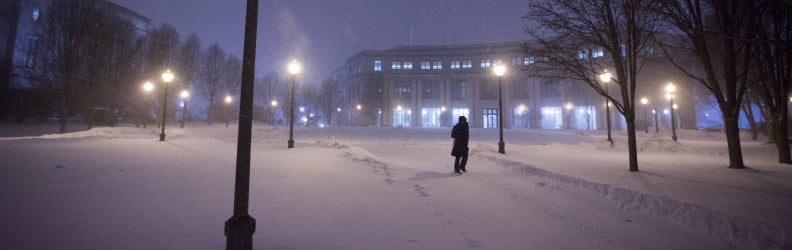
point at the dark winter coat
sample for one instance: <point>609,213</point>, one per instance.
<point>460,133</point>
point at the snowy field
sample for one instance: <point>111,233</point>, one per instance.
<point>387,188</point>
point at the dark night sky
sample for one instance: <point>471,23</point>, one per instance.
<point>323,33</point>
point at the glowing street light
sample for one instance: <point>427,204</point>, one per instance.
<point>605,77</point>
<point>358,107</point>
<point>228,100</point>
<point>294,68</point>
<point>167,77</point>
<point>645,101</point>
<point>184,94</point>
<point>499,70</point>
<point>274,104</point>
<point>670,88</point>
<point>569,108</point>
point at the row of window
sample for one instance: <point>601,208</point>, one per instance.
<point>454,64</point>
<point>584,118</point>
<point>402,90</point>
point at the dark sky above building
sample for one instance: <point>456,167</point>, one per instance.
<point>322,34</point>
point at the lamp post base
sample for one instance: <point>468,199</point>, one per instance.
<point>162,137</point>
<point>674,138</point>
<point>239,232</point>
<point>291,143</point>
<point>502,147</point>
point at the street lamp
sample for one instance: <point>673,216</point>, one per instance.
<point>294,68</point>
<point>499,71</point>
<point>605,78</point>
<point>645,101</point>
<point>274,104</point>
<point>184,95</point>
<point>670,88</point>
<point>358,113</point>
<point>148,87</point>
<point>569,107</point>
<point>167,77</point>
<point>228,101</point>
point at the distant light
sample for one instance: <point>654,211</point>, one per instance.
<point>605,76</point>
<point>359,107</point>
<point>644,101</point>
<point>675,106</point>
<point>302,109</point>
<point>339,109</point>
<point>569,106</point>
<point>305,119</point>
<point>294,67</point>
<point>167,76</point>
<point>670,88</point>
<point>665,111</point>
<point>499,70</point>
<point>148,86</point>
<point>706,115</point>
<point>274,103</point>
<point>228,99</point>
<point>185,94</point>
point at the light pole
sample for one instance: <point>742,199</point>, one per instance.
<point>358,113</point>
<point>148,87</point>
<point>644,101</point>
<point>569,107</point>
<point>499,71</point>
<point>228,101</point>
<point>656,115</point>
<point>670,88</point>
<point>605,78</point>
<point>184,95</point>
<point>274,104</point>
<point>294,68</point>
<point>167,77</point>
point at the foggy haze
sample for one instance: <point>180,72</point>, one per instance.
<point>322,34</point>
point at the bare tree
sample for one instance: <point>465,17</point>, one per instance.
<point>716,33</point>
<point>329,98</point>
<point>774,49</point>
<point>308,97</point>
<point>212,71</point>
<point>111,69</point>
<point>59,62</point>
<point>188,65</point>
<point>268,89</point>
<point>589,37</point>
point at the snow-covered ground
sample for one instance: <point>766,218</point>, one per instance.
<point>388,188</point>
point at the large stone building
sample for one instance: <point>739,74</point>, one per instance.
<point>20,22</point>
<point>429,86</point>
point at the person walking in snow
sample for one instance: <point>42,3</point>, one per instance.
<point>460,133</point>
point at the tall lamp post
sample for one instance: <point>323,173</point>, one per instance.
<point>358,113</point>
<point>670,88</point>
<point>228,101</point>
<point>274,104</point>
<point>569,107</point>
<point>499,71</point>
<point>605,78</point>
<point>645,101</point>
<point>184,95</point>
<point>148,87</point>
<point>167,77</point>
<point>294,68</point>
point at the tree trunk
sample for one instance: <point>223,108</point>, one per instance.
<point>782,136</point>
<point>632,144</point>
<point>733,140</point>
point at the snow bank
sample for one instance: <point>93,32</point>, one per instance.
<point>756,234</point>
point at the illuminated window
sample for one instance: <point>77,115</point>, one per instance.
<point>457,112</point>
<point>490,118</point>
<point>407,65</point>
<point>597,53</point>
<point>467,64</point>
<point>396,65</point>
<point>377,65</point>
<point>437,65</point>
<point>425,65</point>
<point>430,117</point>
<point>401,117</point>
<point>528,60</point>
<point>455,65</point>
<point>486,63</point>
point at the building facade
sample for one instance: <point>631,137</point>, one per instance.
<point>429,86</point>
<point>22,41</point>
